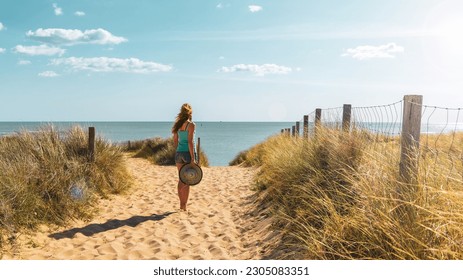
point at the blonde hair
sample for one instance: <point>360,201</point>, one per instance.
<point>186,113</point>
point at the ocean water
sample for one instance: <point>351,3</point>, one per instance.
<point>221,141</point>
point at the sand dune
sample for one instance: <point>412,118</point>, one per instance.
<point>145,223</point>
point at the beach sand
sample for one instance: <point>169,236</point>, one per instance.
<point>145,223</point>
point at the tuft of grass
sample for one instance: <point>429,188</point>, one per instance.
<point>158,150</point>
<point>41,171</point>
<point>252,156</point>
<point>340,196</point>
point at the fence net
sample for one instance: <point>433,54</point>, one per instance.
<point>441,130</point>
<point>441,144</point>
<point>385,120</point>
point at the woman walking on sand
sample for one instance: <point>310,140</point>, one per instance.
<point>183,131</point>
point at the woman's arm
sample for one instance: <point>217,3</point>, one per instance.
<point>175,140</point>
<point>191,148</point>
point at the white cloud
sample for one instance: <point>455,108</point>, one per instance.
<point>58,10</point>
<point>258,70</point>
<point>223,6</point>
<point>255,8</point>
<point>368,52</point>
<point>24,62</point>
<point>48,74</point>
<point>2,50</point>
<point>39,50</point>
<point>79,13</point>
<point>57,36</point>
<point>109,64</point>
<point>2,27</point>
<point>221,57</point>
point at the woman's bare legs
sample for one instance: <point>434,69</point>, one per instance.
<point>183,191</point>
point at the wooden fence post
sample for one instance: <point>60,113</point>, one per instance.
<point>318,118</point>
<point>199,149</point>
<point>306,126</point>
<point>410,139</point>
<point>293,130</point>
<point>346,113</point>
<point>298,125</point>
<point>91,144</point>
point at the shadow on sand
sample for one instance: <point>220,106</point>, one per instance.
<point>92,229</point>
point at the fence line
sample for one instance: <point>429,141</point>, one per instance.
<point>384,119</point>
<point>91,144</point>
<point>399,125</point>
<point>442,146</point>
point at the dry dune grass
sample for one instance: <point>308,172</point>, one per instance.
<point>46,177</point>
<point>334,196</point>
<point>158,150</point>
<point>339,196</point>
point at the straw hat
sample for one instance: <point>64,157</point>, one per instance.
<point>190,174</point>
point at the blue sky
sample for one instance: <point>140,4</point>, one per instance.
<point>266,60</point>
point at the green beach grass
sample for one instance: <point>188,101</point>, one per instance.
<point>160,151</point>
<point>340,196</point>
<point>46,178</point>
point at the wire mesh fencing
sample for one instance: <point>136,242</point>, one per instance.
<point>433,134</point>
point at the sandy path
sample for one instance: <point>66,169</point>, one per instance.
<point>145,223</point>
